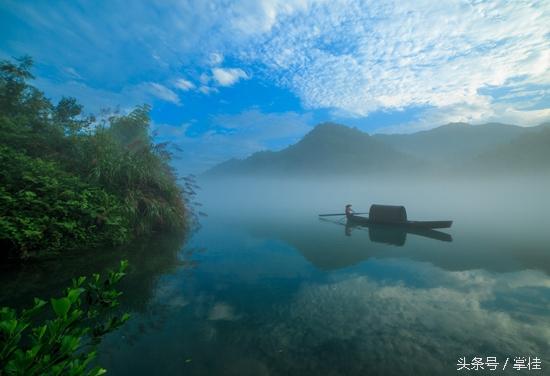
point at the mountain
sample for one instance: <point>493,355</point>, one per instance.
<point>456,148</point>
<point>528,153</point>
<point>454,143</point>
<point>329,149</point>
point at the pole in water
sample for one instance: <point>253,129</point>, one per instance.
<point>338,214</point>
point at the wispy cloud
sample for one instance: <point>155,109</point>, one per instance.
<point>353,57</point>
<point>483,110</point>
<point>228,76</point>
<point>236,135</point>
<point>184,84</point>
<point>253,17</point>
<point>216,58</point>
<point>360,57</point>
<point>97,99</point>
<point>162,92</point>
<point>207,89</point>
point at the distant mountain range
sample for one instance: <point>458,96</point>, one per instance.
<point>456,148</point>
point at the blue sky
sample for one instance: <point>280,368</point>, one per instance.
<point>228,78</point>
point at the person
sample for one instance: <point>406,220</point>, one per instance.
<point>349,210</point>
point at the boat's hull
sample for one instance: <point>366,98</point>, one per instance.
<point>355,219</point>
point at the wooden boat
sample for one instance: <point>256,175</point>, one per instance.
<point>394,216</point>
<point>391,234</point>
<point>358,220</point>
<point>389,224</point>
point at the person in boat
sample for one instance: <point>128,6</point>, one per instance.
<point>349,211</point>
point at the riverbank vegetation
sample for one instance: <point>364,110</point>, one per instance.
<point>61,340</point>
<point>70,180</point>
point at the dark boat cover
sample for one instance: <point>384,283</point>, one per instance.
<point>387,214</point>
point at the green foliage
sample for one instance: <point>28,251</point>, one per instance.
<point>66,113</point>
<point>129,165</point>
<point>69,180</point>
<point>65,343</point>
<point>43,208</point>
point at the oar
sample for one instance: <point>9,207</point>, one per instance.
<point>335,215</point>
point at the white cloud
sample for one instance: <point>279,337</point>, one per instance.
<point>253,16</point>
<point>220,77</point>
<point>204,78</point>
<point>216,58</point>
<point>162,92</point>
<point>483,110</point>
<point>352,56</point>
<point>98,99</point>
<point>250,131</point>
<point>72,73</point>
<point>184,84</point>
<point>207,89</point>
<point>228,76</point>
<point>363,56</point>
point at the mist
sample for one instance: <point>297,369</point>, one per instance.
<point>498,224</point>
<point>502,200</point>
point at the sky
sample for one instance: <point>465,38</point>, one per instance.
<point>229,78</point>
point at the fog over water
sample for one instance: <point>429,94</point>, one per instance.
<point>290,294</point>
<point>265,287</point>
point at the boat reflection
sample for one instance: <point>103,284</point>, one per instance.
<point>392,235</point>
<point>323,243</point>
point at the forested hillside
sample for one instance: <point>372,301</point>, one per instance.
<point>458,149</point>
<point>329,149</point>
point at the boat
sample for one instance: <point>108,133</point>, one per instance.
<point>393,215</point>
<point>389,224</point>
<point>391,234</point>
<point>358,220</point>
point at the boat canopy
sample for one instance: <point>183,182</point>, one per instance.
<point>387,213</point>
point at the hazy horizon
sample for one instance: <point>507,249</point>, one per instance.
<point>459,149</point>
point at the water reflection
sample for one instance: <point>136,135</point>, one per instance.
<point>380,316</point>
<point>502,248</point>
<point>148,260</point>
<point>394,235</point>
<point>357,324</point>
<point>380,234</point>
<point>292,295</point>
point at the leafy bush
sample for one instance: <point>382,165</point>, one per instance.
<point>66,343</point>
<point>68,179</point>
<point>43,208</point>
<point>127,164</point>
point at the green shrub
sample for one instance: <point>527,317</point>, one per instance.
<point>67,179</point>
<point>66,343</point>
<point>43,208</point>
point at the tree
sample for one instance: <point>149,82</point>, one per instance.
<point>74,181</point>
<point>66,114</point>
<point>16,96</point>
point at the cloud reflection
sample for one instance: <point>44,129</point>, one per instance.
<point>394,327</point>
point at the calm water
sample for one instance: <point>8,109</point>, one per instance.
<point>266,288</point>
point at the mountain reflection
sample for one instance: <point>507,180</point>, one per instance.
<point>331,245</point>
<point>390,317</point>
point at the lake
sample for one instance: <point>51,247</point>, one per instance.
<point>264,287</point>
